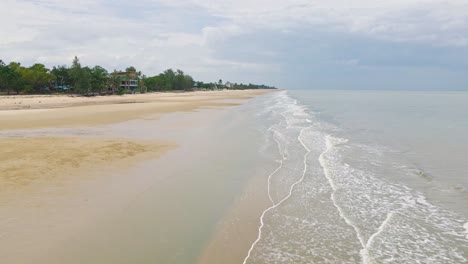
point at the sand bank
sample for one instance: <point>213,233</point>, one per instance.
<point>18,102</point>
<point>25,112</point>
<point>29,161</point>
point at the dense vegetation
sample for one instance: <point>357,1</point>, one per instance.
<point>76,79</point>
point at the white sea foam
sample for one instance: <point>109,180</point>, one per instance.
<point>354,212</point>
<point>466,229</point>
<point>373,236</point>
<point>277,169</point>
<point>330,143</point>
<point>280,202</point>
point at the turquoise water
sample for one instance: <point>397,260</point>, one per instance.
<point>365,177</point>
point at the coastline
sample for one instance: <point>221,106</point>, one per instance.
<point>65,111</point>
<point>65,182</point>
<point>25,102</point>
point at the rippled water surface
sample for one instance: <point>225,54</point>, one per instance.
<point>365,177</point>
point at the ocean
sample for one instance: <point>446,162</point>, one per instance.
<point>364,177</point>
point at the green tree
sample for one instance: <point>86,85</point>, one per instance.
<point>188,82</point>
<point>130,69</point>
<point>19,82</point>
<point>179,80</point>
<point>9,78</point>
<point>37,76</point>
<point>157,83</point>
<point>169,78</point>
<point>142,84</point>
<point>99,79</point>
<point>160,81</point>
<point>62,75</point>
<point>5,73</point>
<point>150,83</point>
<point>81,77</point>
<point>113,82</point>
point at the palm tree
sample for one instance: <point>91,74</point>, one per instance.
<point>114,82</point>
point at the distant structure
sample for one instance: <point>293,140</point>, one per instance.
<point>229,85</point>
<point>128,80</point>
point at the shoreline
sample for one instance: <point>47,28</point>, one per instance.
<point>67,112</point>
<point>42,101</point>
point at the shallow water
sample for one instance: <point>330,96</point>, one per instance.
<point>348,187</point>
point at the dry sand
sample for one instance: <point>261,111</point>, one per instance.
<point>25,112</point>
<point>17,102</point>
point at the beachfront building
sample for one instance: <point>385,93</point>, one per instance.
<point>229,85</point>
<point>128,81</point>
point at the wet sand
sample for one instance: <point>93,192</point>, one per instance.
<point>238,229</point>
<point>37,160</point>
<point>54,187</point>
<point>51,187</point>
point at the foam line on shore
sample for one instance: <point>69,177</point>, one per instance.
<point>379,230</point>
<point>465,226</point>
<point>329,146</point>
<point>277,169</point>
<point>280,202</point>
<point>365,244</point>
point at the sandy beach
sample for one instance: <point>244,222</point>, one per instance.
<point>70,111</point>
<point>28,159</point>
<point>54,184</point>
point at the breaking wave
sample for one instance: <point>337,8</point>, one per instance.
<point>326,208</point>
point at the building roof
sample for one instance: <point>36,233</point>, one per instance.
<point>125,73</point>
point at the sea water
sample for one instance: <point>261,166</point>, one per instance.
<point>365,177</point>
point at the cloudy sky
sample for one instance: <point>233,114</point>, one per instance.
<point>326,44</point>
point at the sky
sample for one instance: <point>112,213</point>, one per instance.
<point>306,44</point>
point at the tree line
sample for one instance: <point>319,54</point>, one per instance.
<point>78,79</point>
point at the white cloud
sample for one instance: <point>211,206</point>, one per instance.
<point>155,34</point>
<point>399,20</point>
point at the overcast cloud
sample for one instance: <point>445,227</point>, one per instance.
<point>339,44</point>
